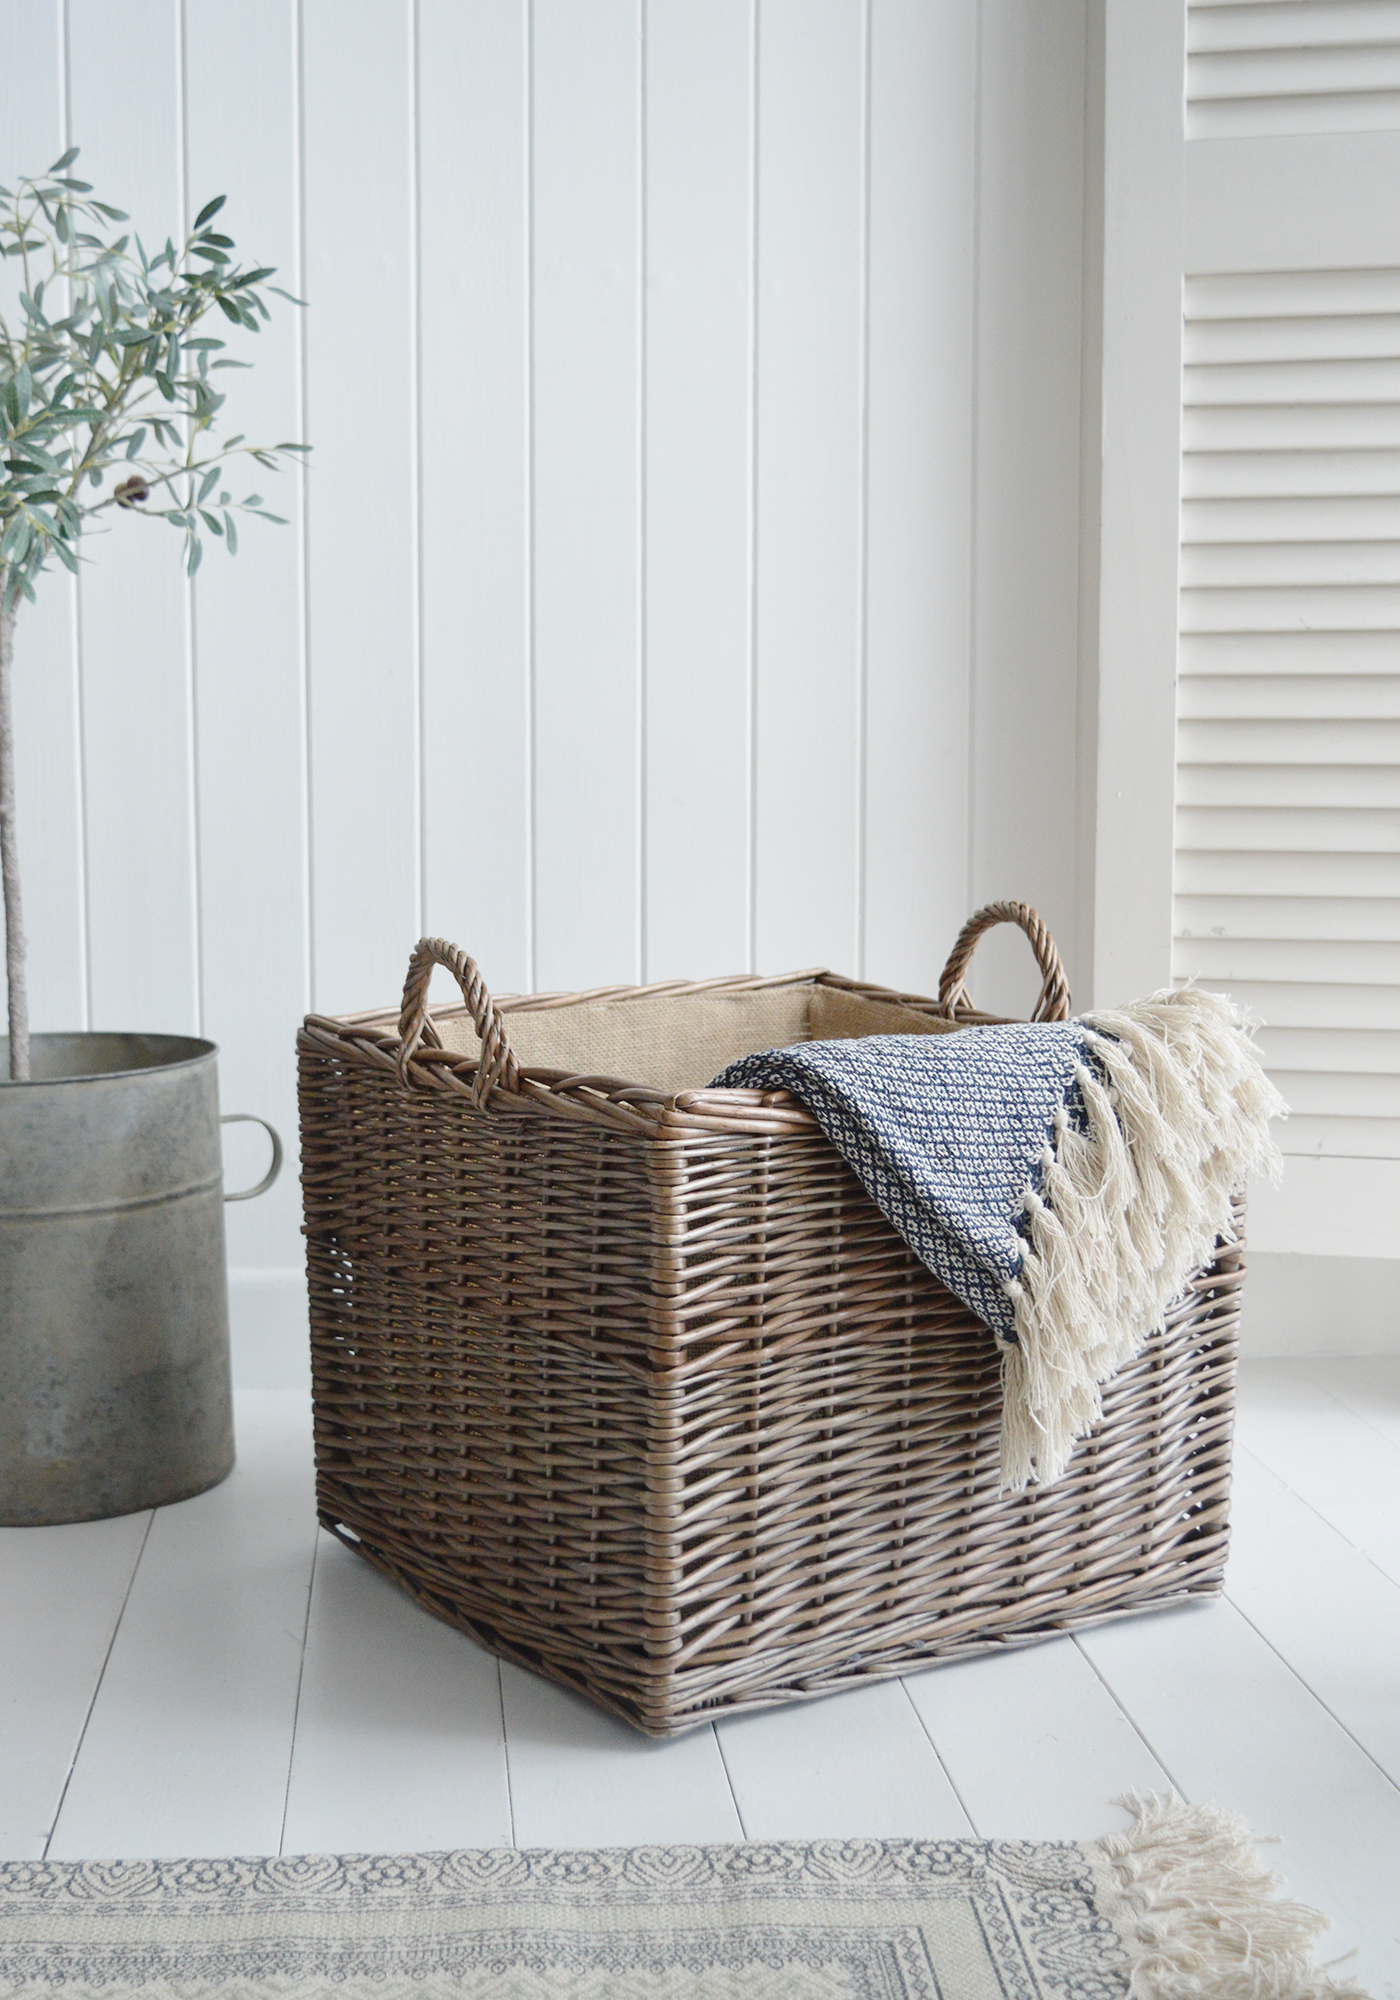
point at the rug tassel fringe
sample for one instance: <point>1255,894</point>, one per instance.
<point>1203,1914</point>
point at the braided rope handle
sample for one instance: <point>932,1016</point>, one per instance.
<point>497,1064</point>
<point>1053,1004</point>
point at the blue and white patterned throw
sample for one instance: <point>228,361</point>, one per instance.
<point>945,1133</point>
<point>1063,1179</point>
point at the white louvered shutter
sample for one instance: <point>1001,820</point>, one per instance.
<point>1255,67</point>
<point>1287,873</point>
<point>1288,736</point>
<point>1286,862</point>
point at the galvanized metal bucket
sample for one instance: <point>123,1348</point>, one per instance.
<point>115,1392</point>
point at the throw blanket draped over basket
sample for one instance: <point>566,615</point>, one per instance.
<point>1062,1178</point>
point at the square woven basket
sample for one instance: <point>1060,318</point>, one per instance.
<point>631,1381</point>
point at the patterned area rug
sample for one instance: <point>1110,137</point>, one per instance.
<point>833,1920</point>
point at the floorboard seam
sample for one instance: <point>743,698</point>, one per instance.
<point>1357,1548</point>
<point>942,1764</point>
<point>1250,1451</point>
<point>1132,1722</point>
<point>1339,1404</point>
<point>1281,1475</point>
<point>505,1752</point>
<point>1312,1692</point>
<point>97,1686</point>
<point>1362,1418</point>
<point>1336,1396</point>
<point>729,1780</point>
<point>296,1705</point>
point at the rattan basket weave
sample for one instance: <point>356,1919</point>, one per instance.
<point>630,1380</point>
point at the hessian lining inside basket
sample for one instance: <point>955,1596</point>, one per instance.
<point>679,1041</point>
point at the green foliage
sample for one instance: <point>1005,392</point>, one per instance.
<point>108,377</point>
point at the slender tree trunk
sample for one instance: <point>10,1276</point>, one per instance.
<point>9,852</point>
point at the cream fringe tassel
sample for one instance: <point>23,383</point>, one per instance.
<point>1127,1210</point>
<point>1200,1915</point>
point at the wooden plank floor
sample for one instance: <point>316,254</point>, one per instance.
<point>217,1678</point>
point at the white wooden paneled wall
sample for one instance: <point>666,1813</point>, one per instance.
<point>686,578</point>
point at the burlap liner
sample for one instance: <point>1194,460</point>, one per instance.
<point>679,1041</point>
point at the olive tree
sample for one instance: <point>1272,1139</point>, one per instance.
<point>108,399</point>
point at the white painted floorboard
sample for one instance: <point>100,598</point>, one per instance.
<point>1064,1746</point>
<point>61,1594</point>
<point>1232,1723</point>
<point>399,1744</point>
<point>856,1765</point>
<point>190,1736</point>
<point>1340,1463</point>
<point>1368,1384</point>
<point>226,1716</point>
<point>1322,1605</point>
<point>580,1778</point>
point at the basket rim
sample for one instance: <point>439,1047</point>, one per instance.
<point>372,1037</point>
<point>419,1060</point>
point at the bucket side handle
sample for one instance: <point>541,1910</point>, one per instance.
<point>251,1118</point>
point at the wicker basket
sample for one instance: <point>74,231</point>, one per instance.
<point>630,1380</point>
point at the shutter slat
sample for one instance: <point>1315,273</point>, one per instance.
<point>1226,873</point>
<point>1326,1094</point>
<point>1340,1138</point>
<point>1288,24</point>
<point>1344,608</point>
<point>1341,1051</point>
<point>1259,25</point>
<point>1246,829</point>
<point>1313,653</point>
<point>1313,71</point>
<point>1233,697</point>
<point>1220,961</point>
<point>1287,520</point>
<point>1308,787</point>
<point>1245,565</point>
<point>1363,336</point>
<point>1248,475</point>
<point>1284,1003</point>
<point>1251,427</point>
<point>1302,919</point>
<point>1302,295</point>
<point>1218,385</point>
<point>1289,740</point>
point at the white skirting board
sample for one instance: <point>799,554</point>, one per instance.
<point>1297,1304</point>
<point>1293,1305</point>
<point>268,1323</point>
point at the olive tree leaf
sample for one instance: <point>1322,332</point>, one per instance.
<point>121,378</point>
